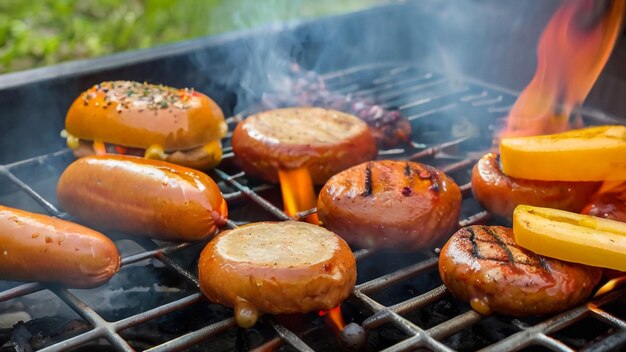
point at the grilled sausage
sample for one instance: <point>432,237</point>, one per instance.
<point>390,204</point>
<point>484,266</point>
<point>500,194</point>
<point>324,141</point>
<point>283,267</point>
<point>35,247</point>
<point>142,196</point>
<point>181,126</point>
<point>608,205</point>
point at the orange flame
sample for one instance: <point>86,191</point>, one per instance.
<point>299,195</point>
<point>334,319</point>
<point>298,192</point>
<point>570,57</point>
<point>610,286</point>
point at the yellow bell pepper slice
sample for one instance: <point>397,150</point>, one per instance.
<point>589,154</point>
<point>571,237</point>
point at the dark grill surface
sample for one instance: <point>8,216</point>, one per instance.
<point>154,302</point>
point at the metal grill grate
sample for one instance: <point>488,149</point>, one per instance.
<point>453,121</point>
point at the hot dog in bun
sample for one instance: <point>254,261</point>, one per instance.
<point>181,126</point>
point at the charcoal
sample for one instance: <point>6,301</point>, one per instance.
<point>41,332</point>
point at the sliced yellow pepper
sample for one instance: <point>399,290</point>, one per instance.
<point>589,154</point>
<point>571,237</point>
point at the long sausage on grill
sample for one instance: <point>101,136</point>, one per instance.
<point>500,194</point>
<point>142,196</point>
<point>391,204</point>
<point>484,266</point>
<point>35,247</point>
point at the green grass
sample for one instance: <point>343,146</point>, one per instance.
<point>44,32</point>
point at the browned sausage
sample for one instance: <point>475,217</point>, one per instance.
<point>276,267</point>
<point>142,196</point>
<point>35,247</point>
<point>500,194</point>
<point>390,204</point>
<point>608,205</point>
<point>324,141</point>
<point>484,266</point>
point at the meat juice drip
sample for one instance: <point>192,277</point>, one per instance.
<point>246,313</point>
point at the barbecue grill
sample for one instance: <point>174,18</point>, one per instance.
<point>154,304</point>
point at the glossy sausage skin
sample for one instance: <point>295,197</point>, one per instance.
<point>500,194</point>
<point>141,196</point>
<point>35,247</point>
<point>608,205</point>
<point>391,204</point>
<point>484,266</point>
<point>276,267</point>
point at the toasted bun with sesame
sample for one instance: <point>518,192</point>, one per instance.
<point>325,141</point>
<point>162,121</point>
<point>276,267</point>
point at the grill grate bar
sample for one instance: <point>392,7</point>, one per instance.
<point>192,338</point>
<point>432,111</point>
<point>551,343</point>
<point>606,317</point>
<point>411,304</point>
<point>153,253</point>
<point>393,85</point>
<point>105,328</point>
<point>51,209</point>
<point>74,341</point>
<point>431,98</point>
<point>157,312</point>
<point>553,324</point>
<point>182,272</point>
<point>402,274</point>
<point>289,336</point>
<point>269,207</point>
<point>21,290</point>
<point>437,148</point>
<point>390,82</point>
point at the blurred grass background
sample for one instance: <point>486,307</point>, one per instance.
<point>44,32</point>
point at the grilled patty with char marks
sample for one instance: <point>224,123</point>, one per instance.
<point>484,266</point>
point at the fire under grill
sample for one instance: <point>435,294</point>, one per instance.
<point>154,304</point>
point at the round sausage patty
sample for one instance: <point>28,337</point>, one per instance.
<point>390,204</point>
<point>324,141</point>
<point>484,266</point>
<point>500,194</point>
<point>276,267</point>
